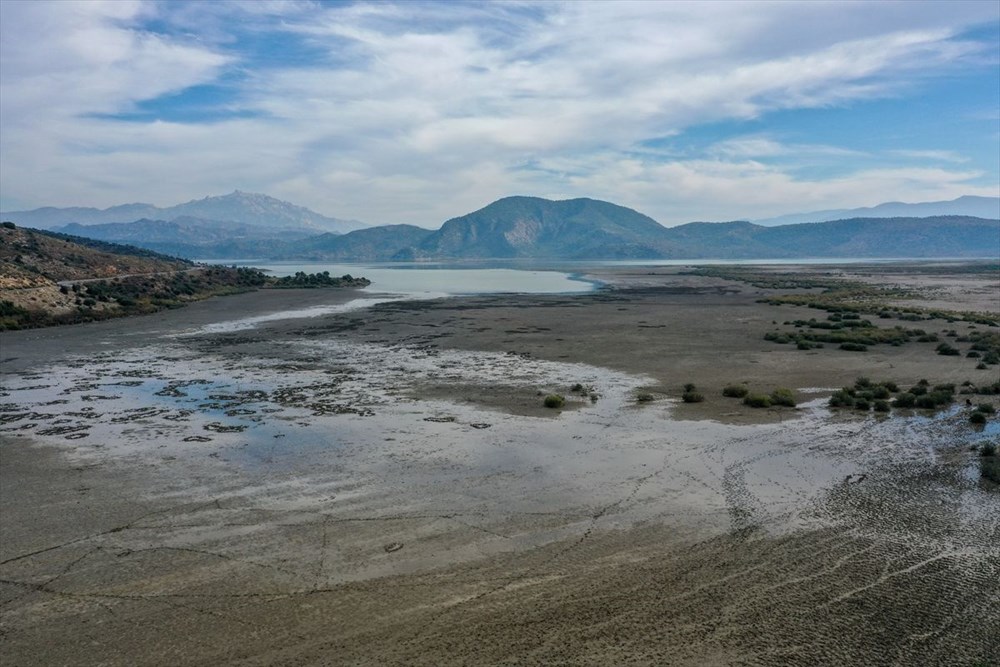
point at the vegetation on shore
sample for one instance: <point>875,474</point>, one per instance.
<point>312,280</point>
<point>51,279</point>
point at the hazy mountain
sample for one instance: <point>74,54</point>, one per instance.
<point>977,207</point>
<point>373,244</point>
<point>185,229</point>
<point>531,227</point>
<point>239,207</point>
<point>937,236</point>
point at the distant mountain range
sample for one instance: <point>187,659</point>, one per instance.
<point>575,229</point>
<point>977,207</point>
<point>245,208</point>
<point>532,228</point>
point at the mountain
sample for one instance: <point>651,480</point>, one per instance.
<point>937,236</point>
<point>375,244</point>
<point>185,229</point>
<point>237,207</point>
<point>530,227</point>
<point>977,207</point>
<point>534,228</point>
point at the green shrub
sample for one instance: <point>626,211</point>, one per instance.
<point>554,401</point>
<point>692,397</point>
<point>841,399</point>
<point>934,399</point>
<point>881,406</point>
<point>862,404</point>
<point>891,386</point>
<point>862,383</point>
<point>782,396</point>
<point>644,397</point>
<point>905,400</point>
<point>880,392</point>
<point>988,449</point>
<point>977,418</point>
<point>986,408</point>
<point>757,401</point>
<point>689,387</point>
<point>853,347</point>
<point>735,391</point>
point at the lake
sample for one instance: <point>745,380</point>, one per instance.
<point>436,280</point>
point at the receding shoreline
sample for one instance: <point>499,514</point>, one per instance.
<point>397,495</point>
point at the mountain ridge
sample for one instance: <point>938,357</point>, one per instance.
<point>248,208</point>
<point>968,205</point>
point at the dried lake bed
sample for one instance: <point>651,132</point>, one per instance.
<point>382,486</point>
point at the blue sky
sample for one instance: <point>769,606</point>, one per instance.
<point>416,112</point>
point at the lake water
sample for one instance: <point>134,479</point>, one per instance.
<point>436,280</point>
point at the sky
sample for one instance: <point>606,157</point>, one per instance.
<point>416,112</point>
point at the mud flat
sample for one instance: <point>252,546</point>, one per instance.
<point>222,485</point>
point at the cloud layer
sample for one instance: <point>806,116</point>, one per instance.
<point>415,112</point>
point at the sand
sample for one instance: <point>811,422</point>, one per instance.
<point>382,486</point>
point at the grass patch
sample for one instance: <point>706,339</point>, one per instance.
<point>554,401</point>
<point>735,391</point>
<point>757,400</point>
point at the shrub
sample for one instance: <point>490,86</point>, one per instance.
<point>853,347</point>
<point>735,391</point>
<point>577,388</point>
<point>934,400</point>
<point>891,386</point>
<point>689,387</point>
<point>972,354</point>
<point>977,418</point>
<point>862,383</point>
<point>692,397</point>
<point>862,404</point>
<point>880,393</point>
<point>841,399</point>
<point>981,366</point>
<point>881,406</point>
<point>782,396</point>
<point>757,401</point>
<point>905,400</point>
<point>988,449</point>
<point>644,397</point>
<point>948,350</point>
<point>986,408</point>
<point>554,401</point>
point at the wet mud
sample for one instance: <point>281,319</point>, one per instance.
<point>299,493</point>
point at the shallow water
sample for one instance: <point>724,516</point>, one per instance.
<point>435,280</point>
<point>341,427</point>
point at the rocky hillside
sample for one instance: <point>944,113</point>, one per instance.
<point>48,278</point>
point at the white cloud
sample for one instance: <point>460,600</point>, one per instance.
<point>424,111</point>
